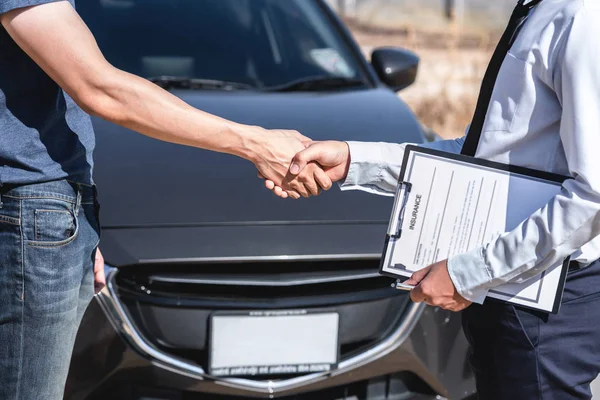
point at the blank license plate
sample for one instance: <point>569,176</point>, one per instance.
<point>273,343</point>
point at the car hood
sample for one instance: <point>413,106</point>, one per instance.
<point>152,186</point>
<point>143,181</point>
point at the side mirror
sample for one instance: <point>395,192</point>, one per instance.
<point>397,68</point>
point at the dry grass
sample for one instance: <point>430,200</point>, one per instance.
<point>450,72</point>
<point>444,114</point>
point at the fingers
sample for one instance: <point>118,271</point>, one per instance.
<point>269,184</point>
<point>418,276</point>
<point>417,294</point>
<point>310,182</point>
<point>99,277</point>
<point>300,160</point>
<point>278,191</point>
<point>98,261</point>
<point>99,281</point>
<point>322,179</point>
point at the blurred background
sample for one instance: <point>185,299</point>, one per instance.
<point>453,38</point>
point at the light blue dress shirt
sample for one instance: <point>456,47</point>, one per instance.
<point>544,114</point>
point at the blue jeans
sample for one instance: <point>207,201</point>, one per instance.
<point>49,233</point>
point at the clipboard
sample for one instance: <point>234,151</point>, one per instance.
<point>428,222</point>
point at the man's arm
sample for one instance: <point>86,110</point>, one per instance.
<point>572,218</point>
<point>57,39</point>
<point>373,167</point>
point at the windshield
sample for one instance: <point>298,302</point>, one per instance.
<point>262,43</point>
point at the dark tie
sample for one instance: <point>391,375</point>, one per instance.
<point>515,23</point>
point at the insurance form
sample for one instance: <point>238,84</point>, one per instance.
<point>447,204</point>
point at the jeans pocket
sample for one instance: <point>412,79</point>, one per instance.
<point>54,227</point>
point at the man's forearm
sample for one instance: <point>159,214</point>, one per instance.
<point>68,53</point>
<point>140,105</point>
<point>375,166</point>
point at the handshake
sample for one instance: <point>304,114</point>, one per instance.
<point>292,165</point>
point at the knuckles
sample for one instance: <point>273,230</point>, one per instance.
<point>437,303</point>
<point>426,290</point>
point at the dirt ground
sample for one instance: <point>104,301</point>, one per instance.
<point>450,72</point>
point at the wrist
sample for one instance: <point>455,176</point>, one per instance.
<point>248,141</point>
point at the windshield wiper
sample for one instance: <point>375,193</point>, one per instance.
<point>177,82</point>
<point>317,83</point>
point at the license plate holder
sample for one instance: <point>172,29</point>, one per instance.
<point>273,342</point>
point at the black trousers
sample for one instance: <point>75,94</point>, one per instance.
<point>518,354</point>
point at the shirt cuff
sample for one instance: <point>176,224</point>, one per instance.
<point>365,168</point>
<point>470,275</point>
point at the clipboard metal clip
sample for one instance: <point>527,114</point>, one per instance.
<point>402,192</point>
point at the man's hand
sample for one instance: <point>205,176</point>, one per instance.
<point>99,278</point>
<point>434,287</point>
<point>332,156</point>
<point>272,154</point>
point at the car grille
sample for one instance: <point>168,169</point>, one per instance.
<point>398,386</point>
<point>171,305</point>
